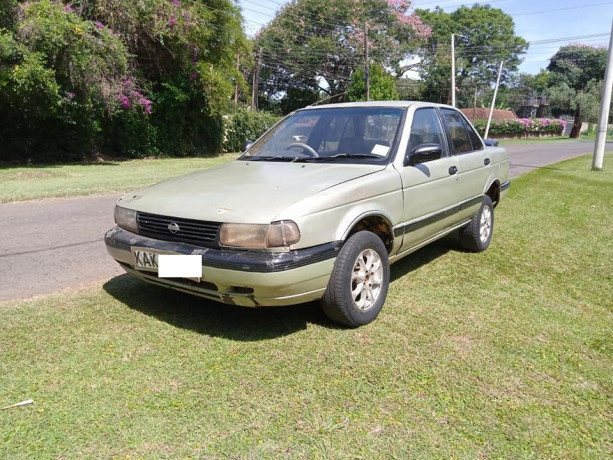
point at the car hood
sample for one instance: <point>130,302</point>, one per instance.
<point>242,191</point>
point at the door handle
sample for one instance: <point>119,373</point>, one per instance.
<point>486,161</point>
<point>453,170</point>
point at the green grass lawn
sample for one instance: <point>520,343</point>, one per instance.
<point>536,140</point>
<point>66,180</point>
<point>502,354</point>
<point>549,140</point>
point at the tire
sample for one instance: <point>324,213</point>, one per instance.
<point>477,235</point>
<point>358,286</point>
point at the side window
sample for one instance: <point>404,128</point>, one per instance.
<point>474,137</point>
<point>426,129</point>
<point>460,137</point>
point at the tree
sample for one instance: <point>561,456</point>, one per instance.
<point>576,74</point>
<point>128,78</point>
<point>382,85</point>
<point>318,44</point>
<point>8,13</point>
<point>59,77</point>
<point>484,37</point>
<point>522,87</point>
<point>185,55</point>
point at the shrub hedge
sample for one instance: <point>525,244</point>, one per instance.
<point>126,79</point>
<point>244,124</point>
<point>522,127</point>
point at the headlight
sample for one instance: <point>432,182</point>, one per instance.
<point>259,236</point>
<point>126,218</point>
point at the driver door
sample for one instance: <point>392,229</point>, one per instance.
<point>428,183</point>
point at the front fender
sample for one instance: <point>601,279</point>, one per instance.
<point>335,211</point>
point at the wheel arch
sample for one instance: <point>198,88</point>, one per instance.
<point>375,223</point>
<point>493,192</point>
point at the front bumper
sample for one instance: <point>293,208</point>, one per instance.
<point>237,277</point>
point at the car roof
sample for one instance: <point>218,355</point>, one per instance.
<point>389,104</point>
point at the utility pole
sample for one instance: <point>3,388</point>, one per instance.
<point>366,63</point>
<point>256,81</point>
<point>453,70</point>
<point>601,135</point>
<point>489,119</point>
<point>238,62</point>
<point>475,103</point>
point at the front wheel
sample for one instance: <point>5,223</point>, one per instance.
<point>360,279</point>
<point>477,235</point>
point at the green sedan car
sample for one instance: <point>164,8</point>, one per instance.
<point>317,209</point>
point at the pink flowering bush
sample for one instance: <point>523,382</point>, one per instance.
<point>123,78</point>
<point>522,126</point>
<point>130,97</point>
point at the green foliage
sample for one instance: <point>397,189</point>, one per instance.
<point>484,37</point>
<point>382,85</point>
<point>88,61</point>
<point>297,98</point>
<point>8,13</point>
<point>577,66</point>
<point>129,78</point>
<point>539,82</point>
<point>523,86</point>
<point>576,75</point>
<point>132,134</point>
<point>408,89</point>
<point>582,103</point>
<point>330,44</point>
<point>243,124</point>
<point>27,84</point>
<point>62,76</point>
<point>521,126</point>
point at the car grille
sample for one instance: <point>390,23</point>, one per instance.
<point>189,231</point>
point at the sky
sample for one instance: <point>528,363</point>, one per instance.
<point>546,24</point>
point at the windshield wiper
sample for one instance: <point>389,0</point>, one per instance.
<point>269,158</point>
<point>311,159</point>
<point>341,156</point>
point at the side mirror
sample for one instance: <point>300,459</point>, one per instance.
<point>248,143</point>
<point>423,153</point>
<point>490,142</point>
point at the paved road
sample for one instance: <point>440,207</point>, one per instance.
<point>54,245</point>
<point>526,157</point>
<point>51,245</point>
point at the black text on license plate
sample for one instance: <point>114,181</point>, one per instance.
<point>145,260</point>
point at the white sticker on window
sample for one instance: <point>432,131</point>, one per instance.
<point>380,150</point>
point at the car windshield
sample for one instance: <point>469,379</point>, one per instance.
<point>350,134</point>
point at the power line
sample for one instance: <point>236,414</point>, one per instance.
<point>563,9</point>
<point>576,37</point>
<point>299,66</point>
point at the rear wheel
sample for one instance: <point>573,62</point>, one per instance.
<point>477,235</point>
<point>360,279</point>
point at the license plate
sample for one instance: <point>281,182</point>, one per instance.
<point>146,259</point>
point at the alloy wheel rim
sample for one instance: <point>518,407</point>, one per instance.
<point>366,279</point>
<point>485,227</point>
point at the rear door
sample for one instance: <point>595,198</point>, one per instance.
<point>472,158</point>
